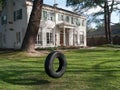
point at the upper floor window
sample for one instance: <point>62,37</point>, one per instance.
<point>72,20</point>
<point>44,15</point>
<point>78,21</point>
<point>60,17</point>
<point>18,14</point>
<point>51,16</point>
<point>67,19</point>
<point>83,22</point>
<point>4,19</point>
<point>75,21</point>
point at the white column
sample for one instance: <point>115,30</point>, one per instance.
<point>85,39</point>
<point>41,37</point>
<point>73,38</point>
<point>64,39</point>
<point>78,38</point>
<point>54,34</point>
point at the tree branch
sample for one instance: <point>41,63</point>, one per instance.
<point>112,4</point>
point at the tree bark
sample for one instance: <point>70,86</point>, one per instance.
<point>106,22</point>
<point>109,28</point>
<point>33,27</point>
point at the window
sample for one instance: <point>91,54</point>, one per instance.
<point>75,39</point>
<point>49,37</point>
<point>4,20</point>
<point>81,37</point>
<point>18,37</point>
<point>72,21</point>
<point>83,22</point>
<point>67,19</point>
<point>44,15</point>
<point>18,14</point>
<point>39,38</point>
<point>51,16</point>
<point>60,17</point>
<point>15,16</point>
<point>78,22</point>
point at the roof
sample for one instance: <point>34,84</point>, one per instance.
<point>54,6</point>
<point>62,9</point>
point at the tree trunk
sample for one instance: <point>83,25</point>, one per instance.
<point>106,22</point>
<point>109,28</point>
<point>33,27</point>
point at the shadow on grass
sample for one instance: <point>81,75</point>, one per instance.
<point>96,50</point>
<point>23,76</point>
<point>109,69</point>
<point>99,67</point>
<point>100,75</point>
<point>90,50</point>
<point>106,73</point>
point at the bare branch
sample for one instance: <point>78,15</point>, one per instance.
<point>112,4</point>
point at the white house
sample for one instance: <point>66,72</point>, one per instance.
<point>58,27</point>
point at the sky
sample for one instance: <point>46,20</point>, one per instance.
<point>62,4</point>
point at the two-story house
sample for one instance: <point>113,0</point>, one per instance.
<point>58,27</point>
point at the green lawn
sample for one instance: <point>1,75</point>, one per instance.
<point>87,69</point>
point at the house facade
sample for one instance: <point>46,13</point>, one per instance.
<point>58,27</point>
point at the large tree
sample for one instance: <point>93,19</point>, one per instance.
<point>108,6</point>
<point>33,27</point>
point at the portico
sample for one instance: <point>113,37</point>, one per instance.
<point>67,34</point>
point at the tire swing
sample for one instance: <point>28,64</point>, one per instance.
<point>50,63</point>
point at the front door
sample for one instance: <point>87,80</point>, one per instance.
<point>66,38</point>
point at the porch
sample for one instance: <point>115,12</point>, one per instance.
<point>68,35</point>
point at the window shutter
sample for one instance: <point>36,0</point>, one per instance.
<point>14,16</point>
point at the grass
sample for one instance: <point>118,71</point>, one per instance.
<point>87,69</point>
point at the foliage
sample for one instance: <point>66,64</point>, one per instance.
<point>107,6</point>
<point>1,3</point>
<point>87,69</point>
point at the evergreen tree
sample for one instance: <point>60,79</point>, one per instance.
<point>108,7</point>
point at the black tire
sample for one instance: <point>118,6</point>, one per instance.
<point>49,64</point>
